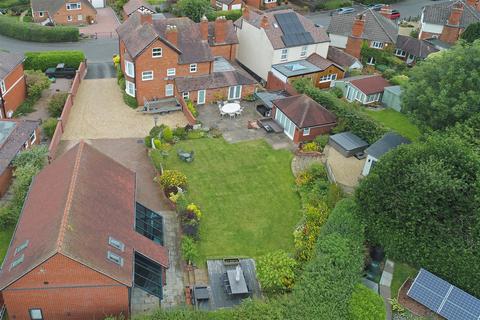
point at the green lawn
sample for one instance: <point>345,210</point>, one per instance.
<point>5,236</point>
<point>401,272</point>
<point>396,121</point>
<point>246,193</point>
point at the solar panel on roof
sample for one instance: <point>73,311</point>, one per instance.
<point>294,34</point>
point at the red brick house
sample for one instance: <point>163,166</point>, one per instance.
<point>17,135</point>
<point>82,245</point>
<point>227,5</point>
<point>176,57</point>
<point>262,4</point>
<point>13,87</point>
<point>63,12</point>
<point>302,118</point>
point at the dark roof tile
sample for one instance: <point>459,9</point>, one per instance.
<point>8,62</point>
<point>417,47</point>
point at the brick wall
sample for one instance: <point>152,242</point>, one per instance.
<point>190,118</point>
<point>5,180</point>
<point>428,35</point>
<point>66,289</point>
<point>226,51</point>
<point>16,89</point>
<point>450,34</point>
<point>314,132</point>
<point>61,16</point>
<point>273,83</point>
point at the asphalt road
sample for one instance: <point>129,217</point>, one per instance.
<point>100,70</point>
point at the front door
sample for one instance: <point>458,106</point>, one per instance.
<point>288,126</point>
<point>201,97</point>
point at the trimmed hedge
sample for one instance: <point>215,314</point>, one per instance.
<point>229,15</point>
<point>49,59</point>
<point>37,33</point>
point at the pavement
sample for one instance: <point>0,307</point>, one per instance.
<point>100,70</point>
<point>104,26</point>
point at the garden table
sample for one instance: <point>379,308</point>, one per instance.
<point>231,108</point>
<point>240,286</point>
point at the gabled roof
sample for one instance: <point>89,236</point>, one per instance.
<point>376,28</point>
<point>321,62</point>
<point>8,62</point>
<point>133,5</point>
<point>419,48</point>
<point>73,206</point>
<point>305,112</point>
<point>368,84</point>
<point>341,58</point>
<point>52,6</point>
<point>213,80</point>
<point>389,141</point>
<point>274,31</point>
<point>439,13</point>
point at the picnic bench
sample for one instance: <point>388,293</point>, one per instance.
<point>185,156</point>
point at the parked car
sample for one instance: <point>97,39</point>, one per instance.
<point>376,6</point>
<point>343,10</point>
<point>60,71</point>
<point>394,15</point>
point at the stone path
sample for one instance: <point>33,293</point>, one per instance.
<point>385,283</point>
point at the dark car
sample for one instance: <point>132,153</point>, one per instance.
<point>376,6</point>
<point>60,71</point>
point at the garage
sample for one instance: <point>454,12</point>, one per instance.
<point>98,3</point>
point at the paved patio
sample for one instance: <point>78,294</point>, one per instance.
<point>347,171</point>
<point>104,26</point>
<point>236,130</point>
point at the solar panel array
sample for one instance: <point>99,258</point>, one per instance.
<point>443,298</point>
<point>294,33</point>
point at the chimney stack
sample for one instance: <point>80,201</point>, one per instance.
<point>145,18</point>
<point>455,15</point>
<point>246,13</point>
<point>220,29</point>
<point>472,3</point>
<point>358,26</point>
<point>204,28</point>
<point>354,42</point>
<point>264,22</point>
<point>478,6</point>
<point>385,11</point>
<point>171,34</point>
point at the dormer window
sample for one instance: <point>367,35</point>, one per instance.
<point>74,6</point>
<point>115,258</point>
<point>116,243</point>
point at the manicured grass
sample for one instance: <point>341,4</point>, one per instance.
<point>154,2</point>
<point>5,236</point>
<point>246,193</point>
<point>396,121</point>
<point>334,4</point>
<point>401,272</point>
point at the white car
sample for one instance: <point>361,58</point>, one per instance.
<point>343,10</point>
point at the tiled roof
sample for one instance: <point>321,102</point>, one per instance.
<point>16,136</point>
<point>370,84</point>
<point>341,58</point>
<point>213,80</point>
<point>274,32</point>
<point>389,141</point>
<point>231,37</point>
<point>440,12</point>
<point>305,112</point>
<point>321,62</point>
<point>191,47</point>
<point>417,47</point>
<point>8,62</point>
<point>376,28</point>
<point>133,5</point>
<point>52,6</point>
<point>73,206</point>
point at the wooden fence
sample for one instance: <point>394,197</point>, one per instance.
<point>188,114</point>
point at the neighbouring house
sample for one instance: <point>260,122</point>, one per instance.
<point>366,89</point>
<point>163,58</point>
<point>447,20</point>
<point>281,36</point>
<point>227,5</point>
<point>302,118</point>
<point>351,31</point>
<point>83,248</point>
<point>347,143</point>
<point>63,12</point>
<point>343,59</point>
<point>13,87</point>
<point>15,136</point>
<point>392,97</point>
<point>412,49</point>
<point>137,5</point>
<point>261,4</point>
<point>388,142</point>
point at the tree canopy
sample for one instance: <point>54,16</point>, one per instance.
<point>471,33</point>
<point>194,9</point>
<point>421,203</point>
<point>443,89</point>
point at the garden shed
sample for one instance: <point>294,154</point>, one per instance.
<point>392,97</point>
<point>347,143</point>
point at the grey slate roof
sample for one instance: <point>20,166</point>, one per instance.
<point>419,48</point>
<point>133,5</point>
<point>52,6</point>
<point>274,32</point>
<point>389,141</point>
<point>296,68</point>
<point>348,141</point>
<point>396,90</point>
<point>8,62</point>
<point>377,27</point>
<point>268,97</point>
<point>213,80</point>
<point>341,58</point>
<point>440,12</point>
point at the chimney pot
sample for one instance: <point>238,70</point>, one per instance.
<point>358,26</point>
<point>204,28</point>
<point>472,2</point>
<point>264,22</point>
<point>145,18</point>
<point>455,15</point>
<point>171,34</point>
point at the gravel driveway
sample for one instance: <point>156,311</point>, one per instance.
<point>100,113</point>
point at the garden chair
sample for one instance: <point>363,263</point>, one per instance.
<point>232,115</point>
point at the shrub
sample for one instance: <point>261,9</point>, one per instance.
<point>322,140</point>
<point>167,134</point>
<point>34,32</point>
<point>148,142</point>
<point>49,127</point>
<point>195,134</point>
<point>229,15</point>
<point>337,92</point>
<point>173,178</point>
<point>156,131</point>
<point>189,249</point>
<point>26,107</point>
<point>180,132</point>
<point>37,81</point>
<point>130,101</point>
<point>310,146</point>
<point>366,304</point>
<point>157,157</point>
<point>49,59</point>
<point>192,108</point>
<point>56,104</point>
<point>276,272</point>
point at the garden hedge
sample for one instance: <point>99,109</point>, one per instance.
<point>49,59</point>
<point>229,15</point>
<point>37,33</point>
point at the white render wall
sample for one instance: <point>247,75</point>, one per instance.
<point>338,41</point>
<point>368,165</point>
<point>294,52</point>
<point>431,28</point>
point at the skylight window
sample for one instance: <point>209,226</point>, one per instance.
<point>21,247</point>
<point>17,261</point>
<point>116,243</point>
<point>295,67</point>
<point>115,258</point>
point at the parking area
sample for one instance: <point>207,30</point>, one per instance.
<point>104,26</point>
<point>100,113</point>
<point>100,70</point>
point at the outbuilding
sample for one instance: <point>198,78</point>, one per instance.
<point>347,143</point>
<point>392,97</point>
<point>366,89</point>
<point>388,142</point>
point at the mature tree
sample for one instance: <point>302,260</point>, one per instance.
<point>444,89</point>
<point>194,9</point>
<point>472,32</point>
<point>421,202</point>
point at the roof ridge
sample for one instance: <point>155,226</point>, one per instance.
<point>68,202</point>
<point>381,25</point>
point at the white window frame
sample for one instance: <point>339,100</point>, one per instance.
<point>204,96</point>
<point>117,244</point>
<point>129,69</point>
<point>306,131</point>
<point>303,53</point>
<point>377,44</point>
<point>171,72</point>
<point>328,78</point>
<point>371,61</point>
<point>269,1</point>
<point>169,90</point>
<point>80,17</point>
<point>234,92</point>
<point>115,258</point>
<point>157,52</point>
<point>69,18</point>
<point>147,75</point>
<point>185,95</point>
<point>400,53</point>
<point>193,67</point>
<point>3,87</point>
<point>77,4</point>
<point>130,88</point>
<point>33,138</point>
<point>40,13</point>
<point>35,314</point>
<point>284,54</point>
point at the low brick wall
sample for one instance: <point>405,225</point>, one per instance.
<point>190,118</point>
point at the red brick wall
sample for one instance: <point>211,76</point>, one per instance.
<point>314,132</point>
<point>65,289</point>
<point>427,35</point>
<point>17,94</point>
<point>273,83</point>
<point>212,95</point>
<point>60,17</point>
<point>450,34</point>
<point>254,3</point>
<point>226,51</point>
<point>5,180</point>
<point>37,18</point>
